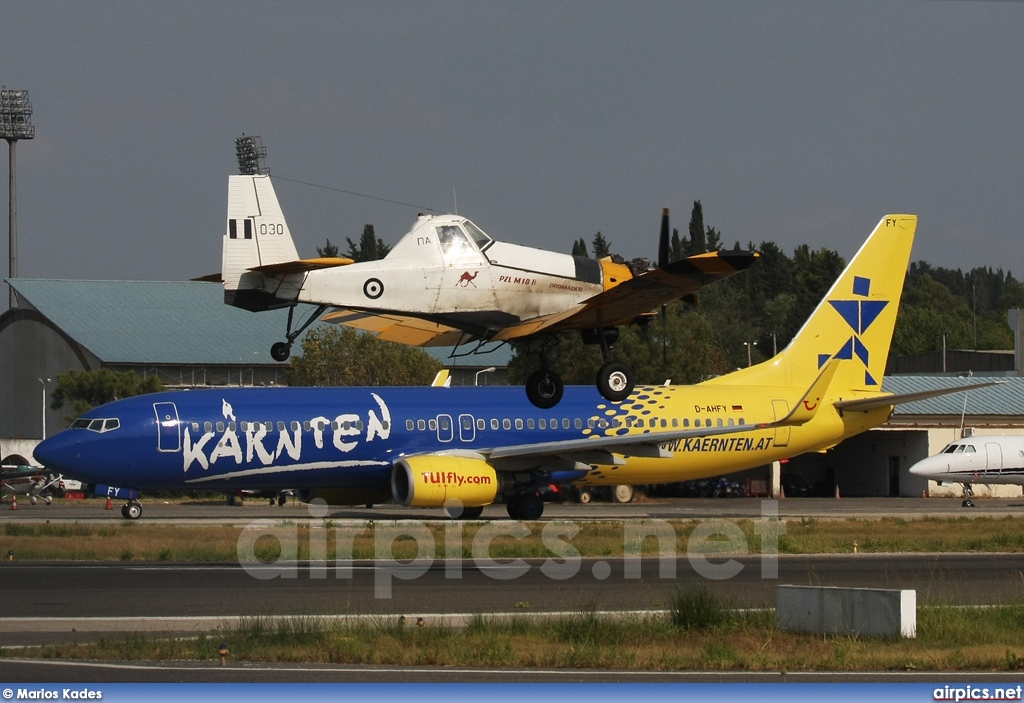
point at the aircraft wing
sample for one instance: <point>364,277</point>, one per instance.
<point>394,327</point>
<point>598,449</point>
<point>638,296</point>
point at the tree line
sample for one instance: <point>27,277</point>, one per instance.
<point>753,313</point>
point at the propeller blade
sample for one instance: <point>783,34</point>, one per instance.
<point>663,245</point>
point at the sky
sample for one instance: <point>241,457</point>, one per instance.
<point>791,121</point>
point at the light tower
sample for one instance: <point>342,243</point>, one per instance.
<point>15,124</point>
<point>252,156</point>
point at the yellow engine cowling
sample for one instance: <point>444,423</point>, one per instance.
<point>429,481</point>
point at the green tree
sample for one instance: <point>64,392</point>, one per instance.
<point>697,243</point>
<point>579,248</point>
<point>601,246</point>
<point>328,250</point>
<point>341,356</point>
<point>83,390</point>
<point>370,247</point>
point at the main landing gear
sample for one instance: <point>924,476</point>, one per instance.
<point>282,350</point>
<point>544,388</point>
<point>132,510</point>
<point>525,506</point>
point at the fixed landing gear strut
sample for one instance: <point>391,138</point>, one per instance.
<point>614,379</point>
<point>282,350</point>
<point>544,388</point>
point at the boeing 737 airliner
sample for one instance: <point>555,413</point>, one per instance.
<point>464,448</point>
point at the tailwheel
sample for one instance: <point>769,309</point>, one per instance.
<point>614,381</point>
<point>528,506</point>
<point>544,388</point>
<point>281,351</point>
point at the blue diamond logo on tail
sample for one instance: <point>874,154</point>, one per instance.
<point>859,315</point>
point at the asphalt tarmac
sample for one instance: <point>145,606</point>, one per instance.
<point>54,602</point>
<point>218,512</point>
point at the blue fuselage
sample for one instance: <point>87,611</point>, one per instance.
<point>234,438</point>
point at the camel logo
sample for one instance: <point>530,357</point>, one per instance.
<point>466,279</point>
<point>859,314</point>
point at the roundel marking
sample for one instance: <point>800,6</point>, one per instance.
<point>373,288</point>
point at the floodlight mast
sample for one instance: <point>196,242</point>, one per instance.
<point>15,124</point>
<point>252,156</point>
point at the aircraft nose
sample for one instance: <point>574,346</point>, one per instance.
<point>928,467</point>
<point>58,453</point>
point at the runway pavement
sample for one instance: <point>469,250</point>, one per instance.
<point>217,512</point>
<point>63,601</point>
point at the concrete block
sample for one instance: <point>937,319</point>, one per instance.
<point>865,612</point>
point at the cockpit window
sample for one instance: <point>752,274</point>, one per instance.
<point>477,235</point>
<point>96,424</point>
<point>969,449</point>
<point>455,245</point>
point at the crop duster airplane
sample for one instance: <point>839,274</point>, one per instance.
<point>989,459</point>
<point>464,448</point>
<point>446,283</point>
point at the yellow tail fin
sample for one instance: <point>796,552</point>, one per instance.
<point>854,322</point>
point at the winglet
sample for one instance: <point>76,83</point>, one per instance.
<point>808,405</point>
<point>443,379</point>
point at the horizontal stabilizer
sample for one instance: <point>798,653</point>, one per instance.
<point>882,401</point>
<point>304,265</point>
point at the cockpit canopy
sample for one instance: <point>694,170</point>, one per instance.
<point>446,240</point>
<point>959,449</point>
<point>96,424</point>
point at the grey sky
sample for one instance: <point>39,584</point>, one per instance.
<point>794,122</point>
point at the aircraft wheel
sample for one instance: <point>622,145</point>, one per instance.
<point>132,511</point>
<point>544,388</point>
<point>614,381</point>
<point>32,500</point>
<point>525,507</point>
<point>281,351</point>
<point>586,496</point>
<point>48,500</point>
<point>464,513</point>
<point>968,503</point>
<point>282,499</point>
<point>622,494</point>
<point>124,511</point>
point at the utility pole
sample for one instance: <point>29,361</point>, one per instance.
<point>15,124</point>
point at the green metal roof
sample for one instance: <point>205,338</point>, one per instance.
<point>1006,399</point>
<point>174,322</point>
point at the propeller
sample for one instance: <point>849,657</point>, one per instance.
<point>663,243</point>
<point>663,257</point>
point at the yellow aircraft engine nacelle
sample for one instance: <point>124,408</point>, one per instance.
<point>429,481</point>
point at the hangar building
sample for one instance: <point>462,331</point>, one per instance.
<point>181,332</point>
